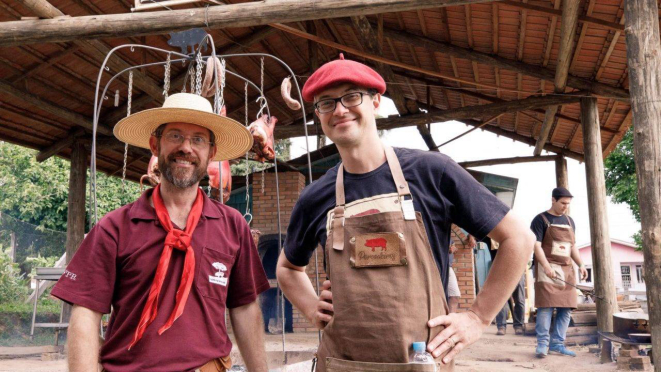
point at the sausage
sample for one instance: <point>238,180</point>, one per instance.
<point>285,90</point>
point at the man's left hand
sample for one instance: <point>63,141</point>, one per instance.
<point>584,272</point>
<point>461,330</point>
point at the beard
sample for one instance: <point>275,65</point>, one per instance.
<point>179,177</point>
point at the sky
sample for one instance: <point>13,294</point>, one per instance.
<point>536,180</point>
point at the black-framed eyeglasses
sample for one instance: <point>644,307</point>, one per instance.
<point>348,100</point>
<point>178,138</point>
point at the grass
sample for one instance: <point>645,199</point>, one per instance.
<point>16,318</point>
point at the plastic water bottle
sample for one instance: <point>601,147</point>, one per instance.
<point>420,355</point>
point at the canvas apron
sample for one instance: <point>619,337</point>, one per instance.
<point>557,243</point>
<point>385,285</point>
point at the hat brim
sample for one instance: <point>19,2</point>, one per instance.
<point>232,139</point>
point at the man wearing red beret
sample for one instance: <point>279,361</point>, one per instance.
<point>383,216</point>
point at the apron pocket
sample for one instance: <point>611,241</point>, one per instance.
<point>378,250</point>
<point>339,365</point>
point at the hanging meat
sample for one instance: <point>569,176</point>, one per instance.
<point>153,175</point>
<point>215,175</point>
<point>208,87</point>
<point>262,134</point>
<point>285,90</point>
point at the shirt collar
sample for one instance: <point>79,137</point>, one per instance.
<point>142,210</point>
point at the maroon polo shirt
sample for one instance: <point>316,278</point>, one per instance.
<point>115,266</point>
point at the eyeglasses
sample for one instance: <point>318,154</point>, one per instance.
<point>177,139</point>
<point>348,100</point>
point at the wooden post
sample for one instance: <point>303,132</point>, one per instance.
<point>599,235</point>
<point>561,172</point>
<point>642,38</point>
<point>76,207</point>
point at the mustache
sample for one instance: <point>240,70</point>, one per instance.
<point>183,156</point>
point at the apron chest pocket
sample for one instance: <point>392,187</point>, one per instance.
<point>378,250</point>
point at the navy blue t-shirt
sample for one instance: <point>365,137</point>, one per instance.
<point>442,191</point>
<point>538,226</point>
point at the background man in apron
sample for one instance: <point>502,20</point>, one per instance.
<point>383,217</point>
<point>554,250</point>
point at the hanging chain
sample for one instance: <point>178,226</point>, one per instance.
<point>129,100</point>
<point>219,100</point>
<point>248,168</point>
<point>130,94</point>
<point>166,78</point>
<point>261,99</point>
<point>198,74</point>
<point>263,175</point>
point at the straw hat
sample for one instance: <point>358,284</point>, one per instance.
<point>232,138</point>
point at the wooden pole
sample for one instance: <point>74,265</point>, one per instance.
<point>226,16</point>
<point>599,235</point>
<point>561,177</point>
<point>568,24</point>
<point>643,47</point>
<point>514,160</point>
<point>76,206</point>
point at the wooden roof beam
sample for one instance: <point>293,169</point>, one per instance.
<point>483,58</point>
<point>369,40</point>
<point>556,12</point>
<point>96,49</point>
<point>512,160</point>
<point>63,113</point>
<point>463,113</point>
<point>226,16</point>
<point>568,25</point>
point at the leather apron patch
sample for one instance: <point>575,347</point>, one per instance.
<point>378,250</point>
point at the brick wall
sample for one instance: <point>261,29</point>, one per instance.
<point>464,268</point>
<point>264,207</point>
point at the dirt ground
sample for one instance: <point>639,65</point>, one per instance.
<point>492,353</point>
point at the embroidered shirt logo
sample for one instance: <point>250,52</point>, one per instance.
<point>70,275</point>
<point>377,243</point>
<point>219,277</point>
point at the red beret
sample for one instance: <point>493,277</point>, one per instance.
<point>342,71</point>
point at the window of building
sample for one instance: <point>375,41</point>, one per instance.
<point>626,276</point>
<point>639,274</point>
<point>589,278</point>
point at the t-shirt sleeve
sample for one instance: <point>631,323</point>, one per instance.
<point>247,279</point>
<point>538,227</point>
<point>89,279</point>
<point>473,207</point>
<point>300,241</point>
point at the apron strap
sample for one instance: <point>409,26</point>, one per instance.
<point>545,219</point>
<point>337,224</point>
<point>338,213</point>
<point>397,174</point>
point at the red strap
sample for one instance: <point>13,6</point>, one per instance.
<point>176,239</point>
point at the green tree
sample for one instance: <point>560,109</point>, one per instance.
<point>37,193</point>
<point>621,182</point>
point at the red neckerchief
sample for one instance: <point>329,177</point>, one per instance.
<point>176,239</point>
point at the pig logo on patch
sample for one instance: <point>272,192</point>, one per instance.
<point>377,243</point>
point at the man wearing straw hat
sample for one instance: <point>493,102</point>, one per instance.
<point>383,216</point>
<point>170,263</point>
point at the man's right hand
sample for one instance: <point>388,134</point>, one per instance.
<point>548,270</point>
<point>324,310</point>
